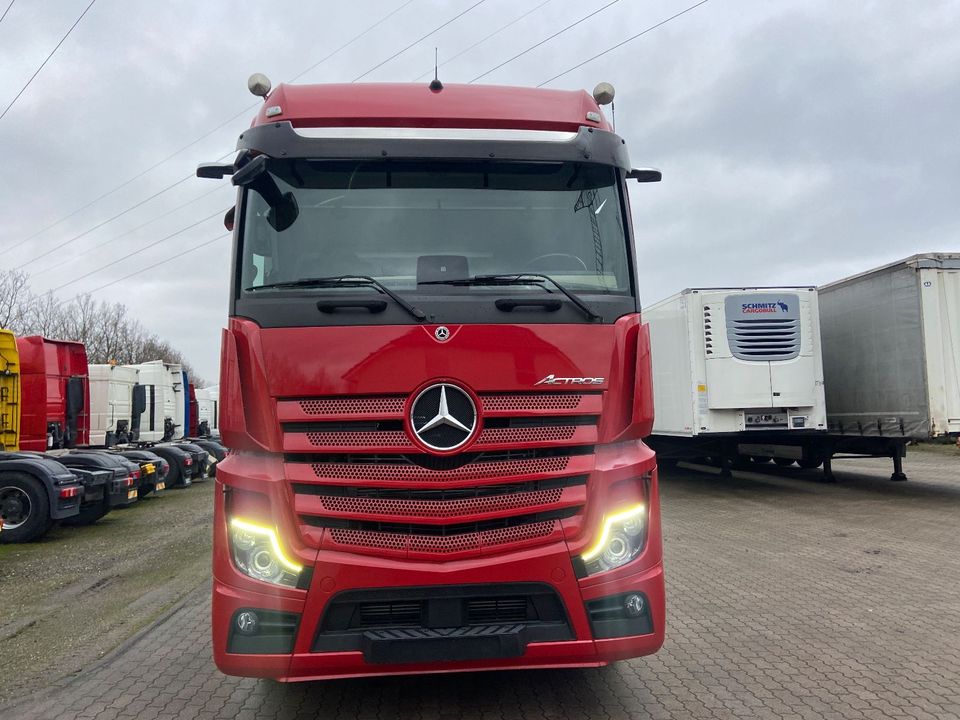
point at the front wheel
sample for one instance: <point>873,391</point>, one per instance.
<point>24,508</point>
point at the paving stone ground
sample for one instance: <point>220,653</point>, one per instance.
<point>787,599</point>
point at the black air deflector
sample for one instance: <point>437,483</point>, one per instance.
<point>280,140</point>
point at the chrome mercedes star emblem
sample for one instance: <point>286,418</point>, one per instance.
<point>441,333</point>
<point>443,417</point>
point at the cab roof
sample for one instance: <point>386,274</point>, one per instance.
<point>416,105</point>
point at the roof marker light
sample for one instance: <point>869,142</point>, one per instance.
<point>259,85</point>
<point>603,93</point>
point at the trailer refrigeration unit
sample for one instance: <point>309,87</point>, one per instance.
<point>738,376</point>
<point>434,383</point>
<point>734,370</point>
<point>891,349</point>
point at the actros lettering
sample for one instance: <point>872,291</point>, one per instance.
<point>554,380</point>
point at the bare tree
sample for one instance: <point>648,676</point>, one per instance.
<point>106,329</point>
<point>14,298</point>
<point>45,317</point>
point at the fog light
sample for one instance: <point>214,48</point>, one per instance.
<point>633,605</point>
<point>247,622</point>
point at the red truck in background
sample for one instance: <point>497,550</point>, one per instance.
<point>434,384</point>
<point>56,396</point>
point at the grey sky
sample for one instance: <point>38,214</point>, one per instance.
<point>800,141</point>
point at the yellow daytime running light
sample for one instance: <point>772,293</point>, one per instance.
<point>270,535</point>
<point>608,523</point>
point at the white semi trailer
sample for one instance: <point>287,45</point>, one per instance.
<point>738,376</point>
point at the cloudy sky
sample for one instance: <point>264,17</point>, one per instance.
<point>800,141</point>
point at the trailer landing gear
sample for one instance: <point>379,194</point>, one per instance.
<point>828,476</point>
<point>898,474</point>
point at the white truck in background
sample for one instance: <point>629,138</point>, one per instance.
<point>738,377</point>
<point>112,417</point>
<point>164,416</point>
<point>208,400</point>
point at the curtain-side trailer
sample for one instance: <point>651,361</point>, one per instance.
<point>891,349</point>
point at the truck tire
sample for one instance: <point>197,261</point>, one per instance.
<point>783,462</point>
<point>24,508</point>
<point>89,515</point>
<point>810,463</point>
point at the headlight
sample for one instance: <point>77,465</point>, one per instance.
<point>621,539</point>
<point>257,553</point>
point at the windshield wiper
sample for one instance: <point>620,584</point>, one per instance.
<point>521,279</point>
<point>345,281</point>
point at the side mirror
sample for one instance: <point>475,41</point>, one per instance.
<point>229,218</point>
<point>284,214</point>
<point>283,206</point>
<point>214,171</point>
<point>251,171</point>
<point>645,175</point>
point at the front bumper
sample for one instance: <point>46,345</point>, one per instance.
<point>304,646</point>
<point>581,649</point>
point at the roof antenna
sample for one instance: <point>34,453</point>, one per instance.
<point>435,84</point>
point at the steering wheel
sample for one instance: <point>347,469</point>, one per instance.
<point>567,256</point>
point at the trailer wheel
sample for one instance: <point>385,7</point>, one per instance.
<point>89,515</point>
<point>760,459</point>
<point>783,462</point>
<point>810,463</point>
<point>24,508</point>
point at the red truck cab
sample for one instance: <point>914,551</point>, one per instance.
<point>55,394</point>
<point>434,384</point>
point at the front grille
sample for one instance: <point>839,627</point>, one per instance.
<point>542,401</point>
<point>443,544</point>
<point>353,406</point>
<point>482,611</point>
<point>361,485</point>
<point>446,530</point>
<point>388,614</point>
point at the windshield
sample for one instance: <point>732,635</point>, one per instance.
<point>408,224</point>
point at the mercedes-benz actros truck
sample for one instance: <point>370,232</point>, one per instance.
<point>434,384</point>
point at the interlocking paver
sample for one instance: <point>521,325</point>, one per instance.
<point>787,598</point>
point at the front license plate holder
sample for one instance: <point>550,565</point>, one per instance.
<point>480,642</point>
